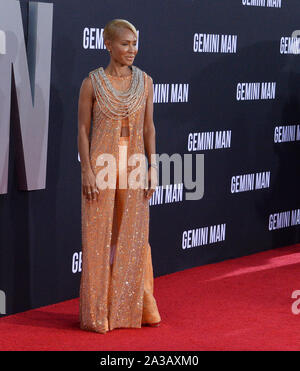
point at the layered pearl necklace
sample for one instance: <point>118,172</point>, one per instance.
<point>114,103</point>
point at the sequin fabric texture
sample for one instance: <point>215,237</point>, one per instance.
<point>120,294</point>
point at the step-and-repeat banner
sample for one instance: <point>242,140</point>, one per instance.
<point>226,80</point>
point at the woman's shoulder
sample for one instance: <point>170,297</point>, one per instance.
<point>146,74</point>
<point>87,85</point>
<point>94,71</point>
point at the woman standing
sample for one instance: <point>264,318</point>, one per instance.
<point>116,288</point>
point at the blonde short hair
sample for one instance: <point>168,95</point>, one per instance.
<point>112,27</point>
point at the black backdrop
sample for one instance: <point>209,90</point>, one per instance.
<point>40,233</point>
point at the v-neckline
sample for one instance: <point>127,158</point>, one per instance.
<point>119,77</point>
<point>107,75</point>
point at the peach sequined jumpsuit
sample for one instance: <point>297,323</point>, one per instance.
<point>116,288</point>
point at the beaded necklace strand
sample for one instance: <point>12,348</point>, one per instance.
<point>118,104</point>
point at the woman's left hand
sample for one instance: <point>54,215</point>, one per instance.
<point>152,182</point>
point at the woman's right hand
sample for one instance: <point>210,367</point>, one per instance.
<point>89,186</point>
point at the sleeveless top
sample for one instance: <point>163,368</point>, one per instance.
<point>114,300</point>
<point>122,84</point>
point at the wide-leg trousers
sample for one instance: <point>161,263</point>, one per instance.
<point>150,310</point>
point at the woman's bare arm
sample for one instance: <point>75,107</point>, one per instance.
<point>85,104</point>
<point>149,141</point>
<point>149,128</point>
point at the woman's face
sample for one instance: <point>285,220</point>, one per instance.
<point>123,47</point>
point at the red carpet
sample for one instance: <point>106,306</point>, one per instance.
<point>238,304</point>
